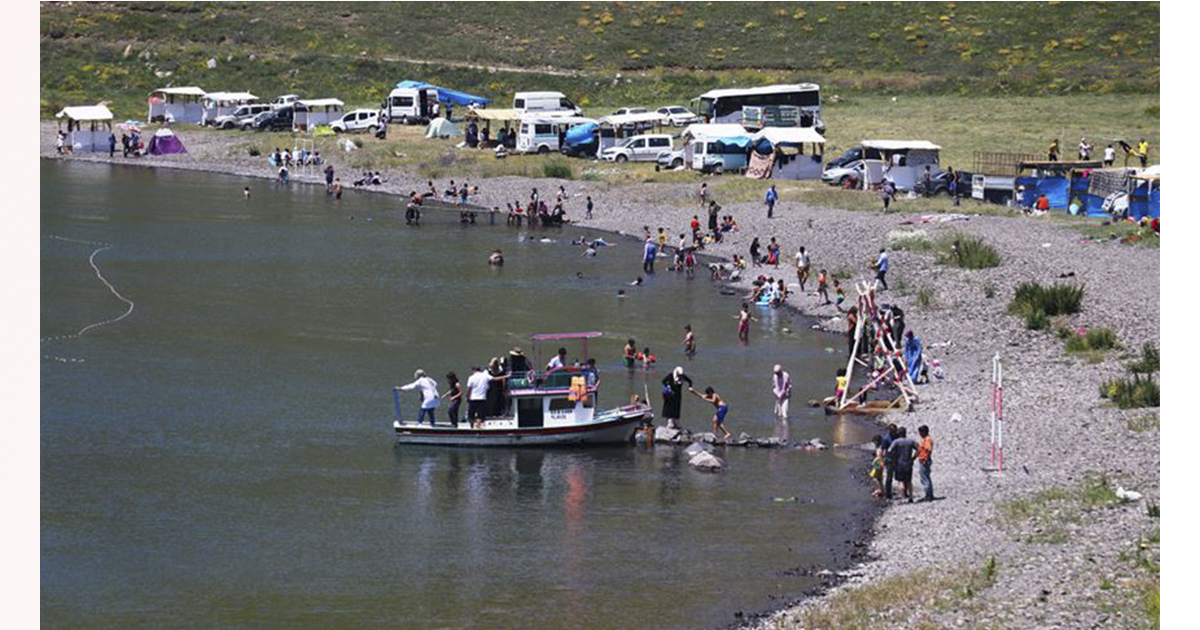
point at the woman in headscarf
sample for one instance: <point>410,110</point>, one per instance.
<point>495,394</point>
<point>673,386</point>
<point>912,355</point>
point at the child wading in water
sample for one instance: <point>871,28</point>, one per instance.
<point>744,320</point>
<point>719,418</point>
<point>823,286</point>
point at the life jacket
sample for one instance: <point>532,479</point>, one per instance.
<point>578,391</point>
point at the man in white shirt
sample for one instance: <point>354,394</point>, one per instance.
<point>1110,155</point>
<point>477,389</point>
<point>429,394</point>
<point>559,360</point>
<point>802,267</point>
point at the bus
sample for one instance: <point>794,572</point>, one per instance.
<point>725,105</point>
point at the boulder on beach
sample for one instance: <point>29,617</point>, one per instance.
<point>696,448</point>
<point>707,462</point>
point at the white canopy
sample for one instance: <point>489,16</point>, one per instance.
<point>543,118</point>
<point>164,133</point>
<point>180,91</point>
<point>85,113</point>
<point>900,145</point>
<point>632,119</point>
<point>495,114</point>
<point>721,130</point>
<point>321,102</point>
<point>789,135</point>
<point>228,97</point>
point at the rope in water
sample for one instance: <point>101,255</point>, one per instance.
<point>100,275</point>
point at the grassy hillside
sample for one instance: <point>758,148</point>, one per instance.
<point>600,53</point>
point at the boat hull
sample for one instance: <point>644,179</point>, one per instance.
<point>610,431</point>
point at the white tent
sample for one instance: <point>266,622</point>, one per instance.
<point>180,104</point>
<point>720,130</point>
<point>88,127</point>
<point>442,128</point>
<point>642,119</point>
<point>223,103</point>
<point>789,158</point>
<point>317,111</point>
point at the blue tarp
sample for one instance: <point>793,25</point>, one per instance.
<point>1141,204</point>
<point>1056,188</point>
<point>741,142</point>
<point>446,95</point>
<point>582,134</point>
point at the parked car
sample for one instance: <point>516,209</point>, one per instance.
<point>357,120</point>
<point>630,110</point>
<point>644,148</point>
<point>678,116</point>
<point>285,100</point>
<point>240,116</point>
<point>671,159</point>
<point>839,175</point>
<point>275,120</point>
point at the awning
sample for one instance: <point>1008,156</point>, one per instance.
<point>1150,174</point>
<point>229,97</point>
<point>790,135</point>
<point>713,131</point>
<point>180,91</point>
<point>632,119</point>
<point>501,115</point>
<point>446,95</point>
<point>86,113</point>
<point>321,102</point>
<point>900,145</point>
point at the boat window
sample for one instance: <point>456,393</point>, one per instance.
<point>529,412</point>
<point>561,404</point>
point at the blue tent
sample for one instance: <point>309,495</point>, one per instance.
<point>446,95</point>
<point>582,134</point>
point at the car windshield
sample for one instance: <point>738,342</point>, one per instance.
<point>677,110</point>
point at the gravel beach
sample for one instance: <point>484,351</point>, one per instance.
<point>1061,560</point>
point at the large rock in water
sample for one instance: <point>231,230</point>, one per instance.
<point>707,462</point>
<point>697,448</point>
<point>665,434</point>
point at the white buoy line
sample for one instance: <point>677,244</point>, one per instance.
<point>99,275</point>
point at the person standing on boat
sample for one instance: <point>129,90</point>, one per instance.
<point>518,363</point>
<point>477,389</point>
<point>429,395</point>
<point>495,394</point>
<point>559,361</point>
<point>456,396</point>
<point>673,396</point>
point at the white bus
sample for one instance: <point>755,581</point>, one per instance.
<point>725,105</point>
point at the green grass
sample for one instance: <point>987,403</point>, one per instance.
<point>1096,339</point>
<point>1045,517</point>
<point>1124,232</point>
<point>1143,423</point>
<point>662,51</point>
<point>925,297</point>
<point>1037,304</point>
<point>1131,392</point>
<point>966,251</point>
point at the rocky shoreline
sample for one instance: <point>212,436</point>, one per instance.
<point>1060,435</point>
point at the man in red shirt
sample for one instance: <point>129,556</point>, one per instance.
<point>925,459</point>
<point>1043,203</point>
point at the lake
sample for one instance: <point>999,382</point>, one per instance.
<point>223,456</point>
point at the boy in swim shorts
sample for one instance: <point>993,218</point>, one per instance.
<point>711,396</point>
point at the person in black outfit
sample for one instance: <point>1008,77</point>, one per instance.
<point>673,386</point>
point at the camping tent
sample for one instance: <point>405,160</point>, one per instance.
<point>446,95</point>
<point>88,127</point>
<point>442,128</point>
<point>165,142</point>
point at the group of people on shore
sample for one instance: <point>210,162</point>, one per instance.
<point>894,458</point>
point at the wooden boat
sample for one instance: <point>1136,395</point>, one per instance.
<point>540,408</point>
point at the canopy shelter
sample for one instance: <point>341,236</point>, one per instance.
<point>629,125</point>
<point>506,119</point>
<point>223,103</point>
<point>903,161</point>
<point>706,131</point>
<point>446,95</point>
<point>177,104</point>
<point>1064,183</point>
<point>88,127</point>
<point>780,153</point>
<point>314,112</point>
<point>165,142</point>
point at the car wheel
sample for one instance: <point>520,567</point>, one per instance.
<point>372,129</point>
<point>843,181</point>
<point>676,163</point>
<point>227,125</point>
<point>543,150</point>
<point>622,158</point>
<point>718,169</point>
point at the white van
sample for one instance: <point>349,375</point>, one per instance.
<point>544,102</point>
<point>543,134</point>
<point>410,106</point>
<point>357,120</point>
<point>644,148</point>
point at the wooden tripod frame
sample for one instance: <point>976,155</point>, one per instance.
<point>883,346</point>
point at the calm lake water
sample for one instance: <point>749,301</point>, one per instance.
<point>224,455</point>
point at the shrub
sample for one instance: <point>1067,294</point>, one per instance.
<point>1133,392</point>
<point>1094,339</point>
<point>1059,299</point>
<point>1036,319</point>
<point>1148,363</point>
<point>968,252</point>
<point>989,290</point>
<point>558,171</point>
<point>925,297</point>
<point>254,152</point>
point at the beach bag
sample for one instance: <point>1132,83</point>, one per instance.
<point>667,391</point>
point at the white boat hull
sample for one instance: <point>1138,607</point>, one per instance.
<point>610,428</point>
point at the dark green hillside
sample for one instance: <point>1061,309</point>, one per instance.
<point>663,51</point>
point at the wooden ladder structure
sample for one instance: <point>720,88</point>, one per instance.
<point>883,348</point>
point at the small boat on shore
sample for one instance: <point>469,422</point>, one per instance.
<point>555,407</point>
